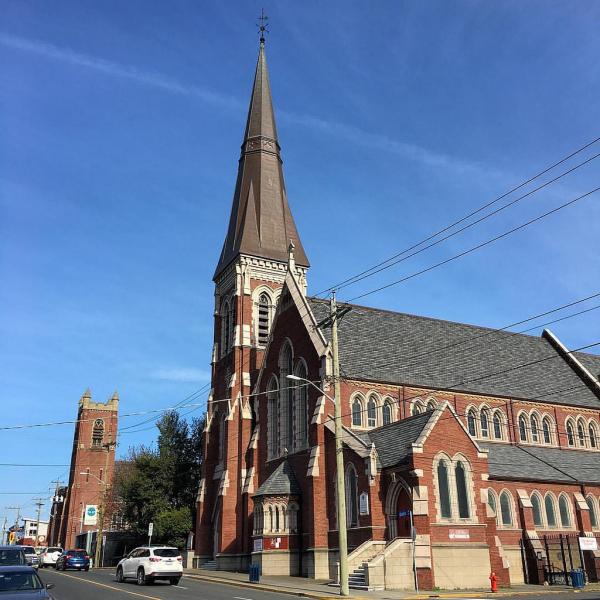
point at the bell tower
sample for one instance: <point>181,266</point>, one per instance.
<point>262,242</point>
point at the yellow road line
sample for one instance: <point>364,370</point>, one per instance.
<point>110,587</point>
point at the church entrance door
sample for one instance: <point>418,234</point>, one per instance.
<point>403,514</point>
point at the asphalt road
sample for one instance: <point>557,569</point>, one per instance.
<point>101,585</point>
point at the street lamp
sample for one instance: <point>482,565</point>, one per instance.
<point>341,495</point>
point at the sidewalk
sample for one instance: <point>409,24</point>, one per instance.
<point>311,588</point>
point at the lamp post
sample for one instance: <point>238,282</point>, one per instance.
<point>341,495</point>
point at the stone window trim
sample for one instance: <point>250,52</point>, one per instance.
<point>301,406</point>
<point>275,516</point>
<point>506,515</point>
<point>351,491</point>
<point>536,497</point>
<point>227,314</point>
<point>417,406</point>
<point>273,418</point>
<point>388,406</point>
<point>451,463</point>
<point>98,433</point>
<point>593,507</point>
<point>565,512</point>
<point>582,433</point>
<point>357,410</point>
<point>485,422</point>
<point>550,502</point>
<point>260,332</point>
<point>373,409</point>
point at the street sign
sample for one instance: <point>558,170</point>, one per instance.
<point>150,529</point>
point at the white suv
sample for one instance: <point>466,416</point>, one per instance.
<point>149,563</point>
<point>49,555</point>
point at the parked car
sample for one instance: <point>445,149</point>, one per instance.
<point>49,556</point>
<point>33,560</point>
<point>11,556</point>
<point>22,583</point>
<point>73,559</point>
<point>150,563</point>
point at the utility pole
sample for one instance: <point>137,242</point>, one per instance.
<point>39,505</point>
<point>3,530</point>
<point>339,454</point>
<point>102,507</point>
<point>18,509</point>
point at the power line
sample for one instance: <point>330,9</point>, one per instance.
<point>461,220</point>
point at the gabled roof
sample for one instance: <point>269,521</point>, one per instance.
<point>261,223</point>
<point>281,482</point>
<point>403,349</point>
<point>532,463</point>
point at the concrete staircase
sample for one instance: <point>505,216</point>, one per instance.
<point>211,565</point>
<point>357,579</point>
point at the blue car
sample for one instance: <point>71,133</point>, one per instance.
<point>73,559</point>
<point>22,583</point>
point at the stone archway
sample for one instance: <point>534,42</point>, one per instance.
<point>397,504</point>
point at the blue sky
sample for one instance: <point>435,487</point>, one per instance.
<point>121,124</point>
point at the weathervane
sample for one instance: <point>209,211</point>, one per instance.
<point>262,25</point>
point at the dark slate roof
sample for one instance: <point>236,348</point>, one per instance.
<point>393,441</point>
<point>591,362</point>
<point>399,348</point>
<point>261,222</point>
<point>281,482</point>
<point>531,464</point>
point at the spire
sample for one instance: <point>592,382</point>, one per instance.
<point>261,223</point>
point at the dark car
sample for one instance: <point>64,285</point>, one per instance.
<point>22,583</point>
<point>11,556</point>
<point>73,559</point>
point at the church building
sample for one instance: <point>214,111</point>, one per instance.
<point>467,450</point>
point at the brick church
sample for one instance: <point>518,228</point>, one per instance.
<point>489,440</point>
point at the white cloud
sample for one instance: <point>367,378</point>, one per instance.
<point>182,375</point>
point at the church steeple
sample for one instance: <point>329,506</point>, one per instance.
<point>261,223</point>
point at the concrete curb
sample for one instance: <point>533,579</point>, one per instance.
<point>489,594</point>
<point>265,588</point>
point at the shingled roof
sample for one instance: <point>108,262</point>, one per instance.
<point>403,349</point>
<point>542,464</point>
<point>281,482</point>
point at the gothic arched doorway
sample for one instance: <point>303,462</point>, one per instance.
<point>398,507</point>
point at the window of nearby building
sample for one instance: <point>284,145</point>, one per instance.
<point>471,420</point>
<point>444,489</point>
<point>522,428</point>
<point>497,426</point>
<point>570,434</point>
<point>536,506</point>
<point>357,411</point>
<point>546,431</point>
<point>98,433</point>
<point>371,412</point>
<point>505,509</point>
<point>351,496</point>
<point>461,491</point>
<point>534,429</point>
<point>591,502</point>
<point>565,513</point>
<point>484,420</point>
<point>387,412</point>
<point>550,511</point>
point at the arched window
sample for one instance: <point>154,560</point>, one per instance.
<point>387,412</point>
<point>431,405</point>
<point>444,489</point>
<point>272,419</point>
<point>570,434</point>
<point>546,430</point>
<point>536,506</point>
<point>417,408</point>
<point>263,318</point>
<point>286,400</point>
<point>491,498</point>
<point>505,509</point>
<point>293,517</point>
<point>371,412</point>
<point>461,491</point>
<point>301,407</point>
<point>550,511</point>
<point>565,512</point>
<point>471,419</point>
<point>523,428</point>
<point>271,519</point>
<point>593,435</point>
<point>593,514</point>
<point>226,327</point>
<point>484,421</point>
<point>580,432</point>
<point>535,428</point>
<point>351,497</point>
<point>357,411</point>
<point>97,433</point>
<point>222,437</point>
<point>497,426</point>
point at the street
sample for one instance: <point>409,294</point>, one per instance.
<point>100,585</point>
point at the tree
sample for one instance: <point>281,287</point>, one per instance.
<point>160,485</point>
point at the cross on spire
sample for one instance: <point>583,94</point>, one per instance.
<point>262,25</point>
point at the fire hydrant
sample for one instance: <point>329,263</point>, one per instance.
<point>494,582</point>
